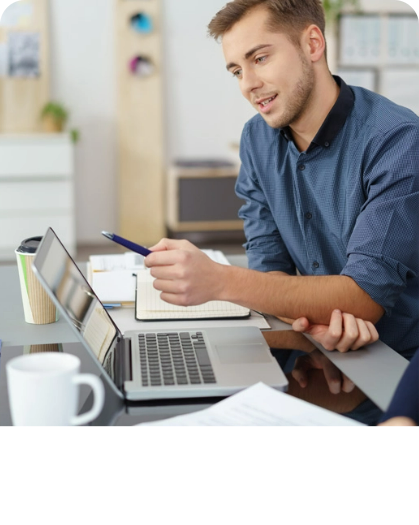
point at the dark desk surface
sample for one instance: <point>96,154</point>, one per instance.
<point>14,331</point>
<point>115,411</point>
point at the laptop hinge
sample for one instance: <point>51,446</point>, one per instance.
<point>124,368</point>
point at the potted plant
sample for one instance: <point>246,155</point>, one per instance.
<point>54,117</point>
<point>333,8</point>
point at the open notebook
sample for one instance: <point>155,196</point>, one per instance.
<point>149,306</point>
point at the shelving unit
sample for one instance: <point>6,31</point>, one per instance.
<point>140,123</point>
<point>379,50</point>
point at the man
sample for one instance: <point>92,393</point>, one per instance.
<point>404,406</point>
<point>329,176</point>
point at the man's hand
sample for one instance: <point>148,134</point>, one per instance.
<point>183,273</point>
<point>345,332</point>
<point>336,381</point>
<point>399,421</point>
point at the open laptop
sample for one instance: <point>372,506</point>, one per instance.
<point>149,363</point>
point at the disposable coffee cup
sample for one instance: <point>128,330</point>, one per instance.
<point>37,306</point>
<point>42,348</point>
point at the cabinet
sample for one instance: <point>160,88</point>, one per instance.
<point>36,189</point>
<point>202,199</point>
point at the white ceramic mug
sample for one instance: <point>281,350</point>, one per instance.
<point>43,390</point>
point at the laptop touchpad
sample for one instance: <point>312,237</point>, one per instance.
<point>242,353</point>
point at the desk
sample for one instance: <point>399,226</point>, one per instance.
<point>376,370</point>
<point>15,331</point>
<point>115,411</point>
<point>16,334</point>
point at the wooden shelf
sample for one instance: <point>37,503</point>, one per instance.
<point>140,126</point>
<point>22,98</point>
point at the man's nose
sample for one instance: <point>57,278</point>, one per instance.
<point>250,82</point>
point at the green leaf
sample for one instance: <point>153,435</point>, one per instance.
<point>56,111</point>
<point>75,135</point>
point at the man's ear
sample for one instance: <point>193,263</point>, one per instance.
<point>313,43</point>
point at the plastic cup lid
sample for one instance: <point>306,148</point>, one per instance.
<point>29,245</point>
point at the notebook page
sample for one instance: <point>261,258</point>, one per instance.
<point>217,256</point>
<point>150,306</point>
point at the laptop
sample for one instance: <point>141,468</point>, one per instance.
<point>154,363</point>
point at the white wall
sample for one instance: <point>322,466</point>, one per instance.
<point>82,77</point>
<point>205,111</point>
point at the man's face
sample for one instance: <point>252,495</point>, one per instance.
<point>273,74</point>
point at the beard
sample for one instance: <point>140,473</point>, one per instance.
<point>297,103</point>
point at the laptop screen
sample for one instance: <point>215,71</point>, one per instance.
<point>60,275</point>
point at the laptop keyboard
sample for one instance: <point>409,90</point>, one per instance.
<point>174,359</point>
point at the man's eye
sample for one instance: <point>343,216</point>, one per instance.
<point>237,73</point>
<point>261,59</point>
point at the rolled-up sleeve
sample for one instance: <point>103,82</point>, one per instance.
<point>383,250</point>
<point>265,248</point>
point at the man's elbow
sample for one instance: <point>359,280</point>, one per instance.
<point>377,312</point>
<point>370,309</point>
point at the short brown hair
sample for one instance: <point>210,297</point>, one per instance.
<point>289,16</point>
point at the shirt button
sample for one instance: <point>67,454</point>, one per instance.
<point>327,144</point>
<point>315,264</point>
<point>308,215</point>
<point>301,167</point>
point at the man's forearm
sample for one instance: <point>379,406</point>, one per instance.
<point>314,297</point>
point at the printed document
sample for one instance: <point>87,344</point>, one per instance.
<point>260,405</point>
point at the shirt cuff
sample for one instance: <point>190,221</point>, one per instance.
<point>378,276</point>
<point>268,261</point>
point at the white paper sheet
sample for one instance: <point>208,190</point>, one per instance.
<point>260,405</point>
<point>116,262</point>
<point>124,318</point>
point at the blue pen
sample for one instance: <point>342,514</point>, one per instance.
<point>109,306</point>
<point>128,244</point>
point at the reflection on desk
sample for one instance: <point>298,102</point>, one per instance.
<point>115,411</point>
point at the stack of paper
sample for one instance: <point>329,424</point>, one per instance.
<point>112,277</point>
<point>260,405</point>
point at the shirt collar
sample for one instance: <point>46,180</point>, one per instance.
<point>336,118</point>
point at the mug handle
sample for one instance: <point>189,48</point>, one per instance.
<point>98,399</point>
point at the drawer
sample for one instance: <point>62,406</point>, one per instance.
<point>35,156</point>
<point>13,231</point>
<point>35,196</point>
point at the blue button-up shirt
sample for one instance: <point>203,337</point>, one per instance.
<point>348,205</point>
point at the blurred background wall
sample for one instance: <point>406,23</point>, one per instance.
<point>203,110</point>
